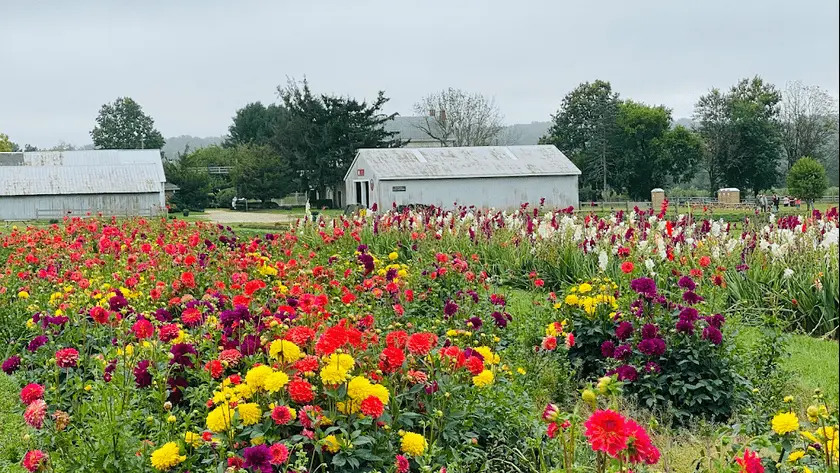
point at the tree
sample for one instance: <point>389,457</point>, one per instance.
<point>586,129</point>
<point>194,184</point>
<point>254,124</point>
<point>806,180</point>
<point>740,130</point>
<point>808,117</point>
<point>123,125</point>
<point>6,146</point>
<point>261,173</point>
<point>454,117</point>
<point>652,154</point>
<point>321,134</point>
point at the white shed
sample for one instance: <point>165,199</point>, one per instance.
<point>42,185</point>
<point>502,177</point>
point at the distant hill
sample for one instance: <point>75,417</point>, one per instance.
<point>176,144</point>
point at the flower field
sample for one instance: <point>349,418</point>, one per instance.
<point>417,340</point>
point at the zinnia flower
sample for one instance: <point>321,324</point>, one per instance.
<point>34,460</point>
<point>413,444</point>
<point>167,456</point>
<point>785,422</point>
<point>606,432</point>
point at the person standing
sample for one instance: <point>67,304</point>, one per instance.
<point>775,203</point>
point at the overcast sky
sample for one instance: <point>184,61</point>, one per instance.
<point>192,63</point>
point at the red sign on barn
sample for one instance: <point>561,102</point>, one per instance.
<point>360,172</point>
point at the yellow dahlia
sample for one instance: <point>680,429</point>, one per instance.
<point>785,422</point>
<point>218,420</point>
<point>250,413</point>
<point>331,443</point>
<point>255,377</point>
<point>484,378</point>
<point>286,350</point>
<point>167,456</point>
<point>275,381</point>
<point>413,444</point>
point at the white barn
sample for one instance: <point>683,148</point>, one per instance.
<point>43,185</point>
<point>502,177</point>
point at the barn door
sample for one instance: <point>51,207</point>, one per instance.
<point>362,189</point>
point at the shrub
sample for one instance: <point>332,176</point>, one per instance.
<point>806,179</point>
<point>667,353</point>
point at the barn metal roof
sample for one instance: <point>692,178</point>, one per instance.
<point>467,162</point>
<point>81,172</point>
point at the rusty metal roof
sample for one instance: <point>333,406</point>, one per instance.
<point>81,172</point>
<point>467,162</point>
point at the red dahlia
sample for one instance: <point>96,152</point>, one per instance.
<point>606,431</point>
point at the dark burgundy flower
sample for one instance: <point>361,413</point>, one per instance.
<point>689,313</point>
<point>163,315</point>
<point>258,458</point>
<point>176,388</point>
<point>474,323</point>
<point>644,286</point>
<point>501,319</point>
<point>624,330</point>
<point>685,326</point>
<point>142,377</point>
<point>649,331</point>
<point>652,346</point>
<point>623,352</point>
<point>181,354</point>
<point>450,308</point>
<point>712,334</point>
<point>652,367</point>
<point>37,343</point>
<point>607,349</point>
<point>117,302</point>
<point>249,345</point>
<point>11,364</point>
<point>687,283</point>
<point>692,298</point>
<point>627,373</point>
<point>716,321</point>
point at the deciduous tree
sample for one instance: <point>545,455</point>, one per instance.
<point>6,145</point>
<point>254,124</point>
<point>806,180</point>
<point>123,125</point>
<point>454,117</point>
<point>586,129</point>
<point>809,121</point>
<point>261,173</point>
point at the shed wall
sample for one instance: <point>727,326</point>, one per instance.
<point>497,192</point>
<point>39,207</point>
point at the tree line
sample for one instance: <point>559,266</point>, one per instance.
<point>748,136</point>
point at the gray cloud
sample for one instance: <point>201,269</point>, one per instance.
<point>191,64</point>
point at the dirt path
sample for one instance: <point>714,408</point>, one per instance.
<point>230,216</point>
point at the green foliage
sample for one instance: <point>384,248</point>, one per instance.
<point>123,125</point>
<point>5,145</point>
<point>254,124</point>
<point>261,173</point>
<point>741,132</point>
<point>195,184</point>
<point>12,428</point>
<point>321,133</point>
<point>806,179</point>
<point>585,128</point>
